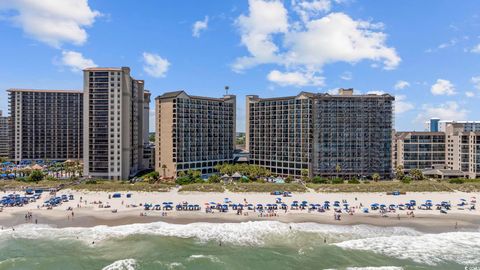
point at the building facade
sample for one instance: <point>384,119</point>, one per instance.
<point>193,132</point>
<point>328,135</point>
<point>46,124</point>
<point>463,150</point>
<point>455,150</point>
<point>113,120</point>
<point>4,136</point>
<point>419,150</point>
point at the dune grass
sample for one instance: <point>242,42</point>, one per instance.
<point>112,186</point>
<point>200,187</point>
<point>265,187</point>
<point>20,185</point>
<point>389,186</point>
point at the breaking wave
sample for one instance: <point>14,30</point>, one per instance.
<point>432,249</point>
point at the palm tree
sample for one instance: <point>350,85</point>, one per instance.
<point>399,174</point>
<point>338,169</point>
<point>375,177</point>
<point>304,173</point>
<point>416,174</point>
<point>164,168</point>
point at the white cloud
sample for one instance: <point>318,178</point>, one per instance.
<point>375,92</point>
<point>448,111</point>
<point>476,49</point>
<point>469,94</point>
<point>295,78</point>
<point>265,18</point>
<point>311,8</point>
<point>52,21</point>
<point>155,65</point>
<point>75,61</point>
<point>199,26</point>
<point>401,105</point>
<point>450,43</point>
<point>401,85</point>
<point>443,87</point>
<point>476,82</point>
<point>347,76</point>
<point>308,45</point>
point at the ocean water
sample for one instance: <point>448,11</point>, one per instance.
<point>251,245</point>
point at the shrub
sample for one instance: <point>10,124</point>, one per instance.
<point>183,180</point>
<point>289,179</point>
<point>35,176</point>
<point>50,178</point>
<point>337,180</point>
<point>406,180</point>
<point>91,182</point>
<point>456,181</point>
<point>214,178</point>
<point>319,180</point>
<point>353,181</point>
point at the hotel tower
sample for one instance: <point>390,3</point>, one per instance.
<point>46,124</point>
<point>114,109</point>
<point>193,132</point>
<point>343,135</point>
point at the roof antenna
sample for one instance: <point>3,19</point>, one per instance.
<point>226,90</point>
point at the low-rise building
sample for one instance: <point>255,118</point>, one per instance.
<point>452,153</point>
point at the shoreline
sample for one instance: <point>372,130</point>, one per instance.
<point>89,214</point>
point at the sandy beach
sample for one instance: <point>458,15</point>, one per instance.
<point>87,213</point>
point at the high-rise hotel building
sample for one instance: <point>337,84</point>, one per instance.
<point>328,135</point>
<point>4,136</point>
<point>193,132</point>
<point>46,124</point>
<point>113,120</point>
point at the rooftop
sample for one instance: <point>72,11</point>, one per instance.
<point>45,90</point>
<point>177,93</point>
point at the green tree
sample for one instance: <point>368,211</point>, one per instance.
<point>338,169</point>
<point>151,137</point>
<point>214,178</point>
<point>289,179</point>
<point>416,174</point>
<point>305,173</point>
<point>399,173</point>
<point>375,177</point>
<point>36,176</point>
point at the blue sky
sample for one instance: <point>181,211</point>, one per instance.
<point>426,53</point>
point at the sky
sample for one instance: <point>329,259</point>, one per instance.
<point>425,53</point>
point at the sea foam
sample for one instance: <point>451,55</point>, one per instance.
<point>127,264</point>
<point>460,247</point>
<point>246,233</point>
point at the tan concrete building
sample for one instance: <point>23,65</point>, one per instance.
<point>113,120</point>
<point>418,150</point>
<point>328,135</point>
<point>456,151</point>
<point>4,136</point>
<point>46,124</point>
<point>193,132</point>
